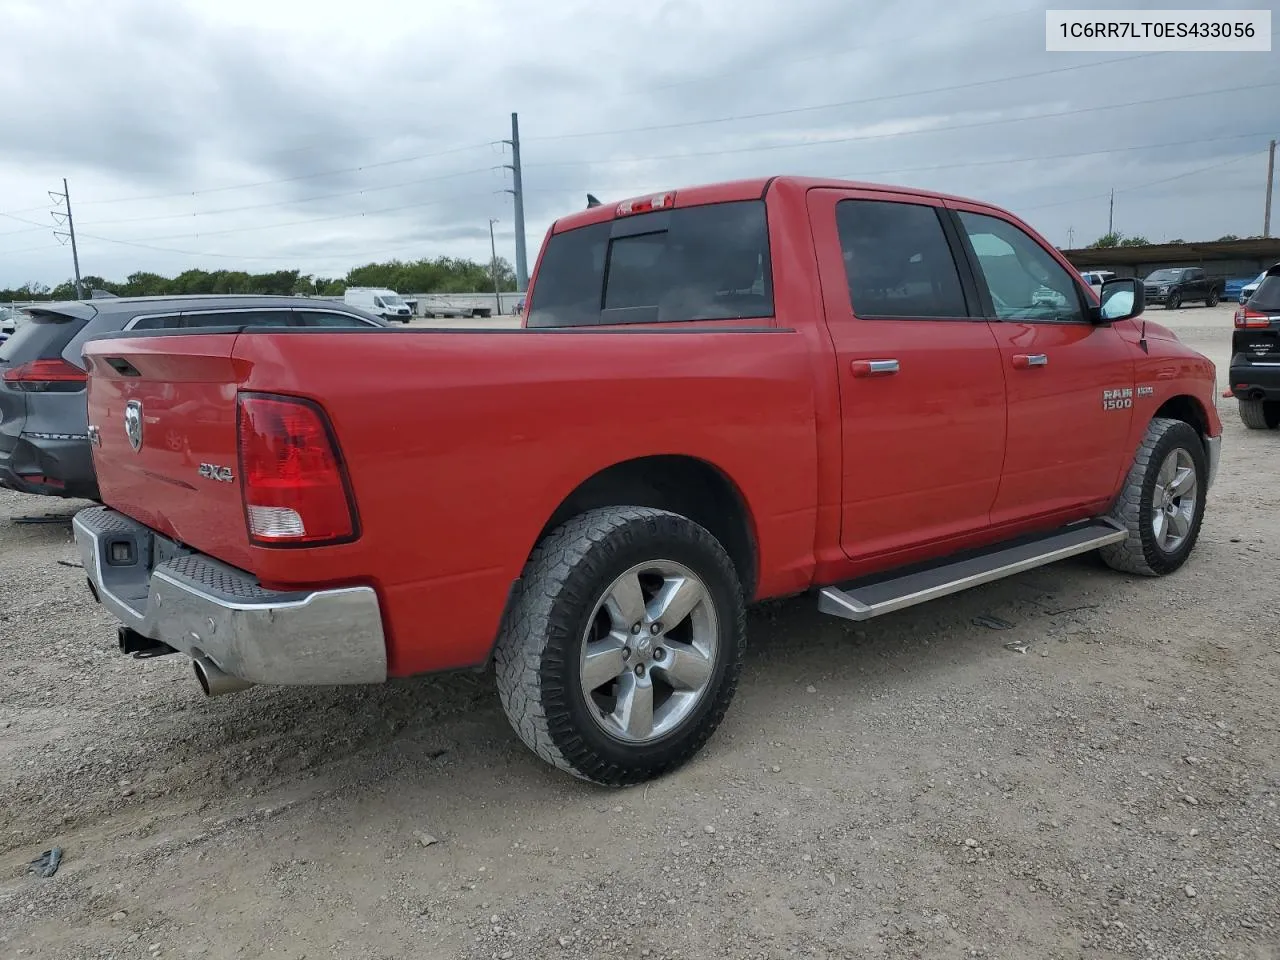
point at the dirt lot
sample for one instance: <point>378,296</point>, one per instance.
<point>908,788</point>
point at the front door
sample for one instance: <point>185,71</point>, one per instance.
<point>1071,381</point>
<point>922,391</point>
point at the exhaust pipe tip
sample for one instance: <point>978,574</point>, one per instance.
<point>213,681</point>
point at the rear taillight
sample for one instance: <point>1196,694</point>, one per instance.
<point>294,483</point>
<point>1251,318</point>
<point>47,376</point>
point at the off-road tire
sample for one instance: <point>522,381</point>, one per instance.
<point>1260,414</point>
<point>1140,553</point>
<point>536,659</point>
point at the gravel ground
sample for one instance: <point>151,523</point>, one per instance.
<point>912,787</point>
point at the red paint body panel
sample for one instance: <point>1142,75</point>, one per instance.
<point>461,445</point>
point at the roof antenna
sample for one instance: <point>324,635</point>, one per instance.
<point>592,202</point>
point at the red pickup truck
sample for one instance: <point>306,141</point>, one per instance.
<point>719,395</point>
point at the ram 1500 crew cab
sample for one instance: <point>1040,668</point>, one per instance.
<point>719,395</point>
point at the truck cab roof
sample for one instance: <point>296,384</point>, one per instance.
<point>749,189</point>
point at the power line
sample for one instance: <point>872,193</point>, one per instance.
<point>1144,186</point>
<point>305,176</point>
<point>286,203</point>
<point>842,52</point>
<point>841,103</point>
<point>1050,156</point>
<point>305,223</point>
<point>907,133</point>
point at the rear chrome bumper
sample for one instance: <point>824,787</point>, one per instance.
<point>1213,449</point>
<point>205,608</point>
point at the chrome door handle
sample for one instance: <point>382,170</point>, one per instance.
<point>1023,361</point>
<point>874,368</point>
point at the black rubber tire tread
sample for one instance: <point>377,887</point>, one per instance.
<point>1173,301</point>
<point>1260,414</point>
<point>1139,553</point>
<point>1212,299</point>
<point>535,659</point>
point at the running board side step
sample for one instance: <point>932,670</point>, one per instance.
<point>875,596</point>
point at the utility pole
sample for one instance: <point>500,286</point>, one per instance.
<point>522,263</point>
<point>493,268</point>
<point>1111,213</point>
<point>1071,238</point>
<point>1271,175</point>
<point>64,198</point>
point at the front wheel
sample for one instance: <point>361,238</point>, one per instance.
<point>1162,502</point>
<point>1174,301</point>
<point>621,651</point>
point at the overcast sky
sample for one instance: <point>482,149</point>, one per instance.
<point>271,134</point>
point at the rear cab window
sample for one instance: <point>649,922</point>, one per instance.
<point>706,262</point>
<point>44,336</point>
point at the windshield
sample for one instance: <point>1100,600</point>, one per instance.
<point>1165,276</point>
<point>391,300</point>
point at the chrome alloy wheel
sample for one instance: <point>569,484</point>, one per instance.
<point>649,651</point>
<point>1174,500</point>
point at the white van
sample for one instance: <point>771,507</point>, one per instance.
<point>385,303</point>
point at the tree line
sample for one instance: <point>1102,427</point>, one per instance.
<point>439,275</point>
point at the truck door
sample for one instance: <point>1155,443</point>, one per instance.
<point>1070,381</point>
<point>922,391</point>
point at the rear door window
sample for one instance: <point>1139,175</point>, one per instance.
<point>897,261</point>
<point>42,337</point>
<point>707,262</point>
<point>157,323</point>
<point>238,318</point>
<point>323,318</point>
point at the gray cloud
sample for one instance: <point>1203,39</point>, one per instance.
<point>378,126</point>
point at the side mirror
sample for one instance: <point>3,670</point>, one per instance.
<point>1122,299</point>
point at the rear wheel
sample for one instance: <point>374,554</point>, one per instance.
<point>1162,502</point>
<point>1260,414</point>
<point>1212,301</point>
<point>621,652</point>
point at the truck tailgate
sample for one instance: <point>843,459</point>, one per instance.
<point>162,414</point>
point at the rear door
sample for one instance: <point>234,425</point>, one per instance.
<point>922,391</point>
<point>1070,381</point>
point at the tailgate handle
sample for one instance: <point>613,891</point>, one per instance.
<point>874,368</point>
<point>123,367</point>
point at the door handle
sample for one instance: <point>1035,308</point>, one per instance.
<point>874,368</point>
<point>1023,361</point>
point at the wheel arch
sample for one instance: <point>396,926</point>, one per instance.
<point>682,484</point>
<point>1189,410</point>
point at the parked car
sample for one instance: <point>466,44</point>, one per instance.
<point>1249,289</point>
<point>10,320</point>
<point>1255,355</point>
<point>1096,278</point>
<point>44,445</point>
<point>1174,286</point>
<point>379,301</point>
<point>719,395</point>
